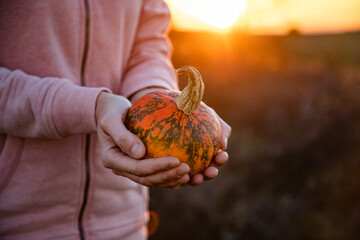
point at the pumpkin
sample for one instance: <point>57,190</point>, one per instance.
<point>177,124</point>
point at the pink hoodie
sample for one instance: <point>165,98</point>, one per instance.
<point>55,58</point>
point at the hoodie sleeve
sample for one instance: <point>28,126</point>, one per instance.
<point>34,107</point>
<point>149,64</point>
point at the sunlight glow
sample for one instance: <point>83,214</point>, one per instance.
<point>215,13</point>
<point>265,16</point>
<point>220,14</point>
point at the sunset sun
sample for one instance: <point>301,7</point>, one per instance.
<point>213,14</point>
<point>220,14</point>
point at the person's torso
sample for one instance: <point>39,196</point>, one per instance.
<point>44,192</point>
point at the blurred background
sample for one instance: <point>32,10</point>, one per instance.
<point>285,74</point>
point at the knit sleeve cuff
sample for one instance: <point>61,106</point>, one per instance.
<point>73,109</point>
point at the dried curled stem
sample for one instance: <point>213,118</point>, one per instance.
<point>191,96</point>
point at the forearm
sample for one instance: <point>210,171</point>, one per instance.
<point>34,107</point>
<point>149,65</point>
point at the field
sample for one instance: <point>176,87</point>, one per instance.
<point>293,103</point>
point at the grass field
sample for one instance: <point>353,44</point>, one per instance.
<point>294,106</point>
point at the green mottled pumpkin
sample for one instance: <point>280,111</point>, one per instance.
<point>177,124</point>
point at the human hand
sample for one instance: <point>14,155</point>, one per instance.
<point>121,150</point>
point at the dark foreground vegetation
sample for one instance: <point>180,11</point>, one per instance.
<point>294,171</point>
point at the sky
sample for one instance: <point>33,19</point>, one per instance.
<point>266,16</point>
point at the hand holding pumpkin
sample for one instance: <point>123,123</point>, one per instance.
<point>178,124</point>
<point>192,132</point>
<point>121,150</point>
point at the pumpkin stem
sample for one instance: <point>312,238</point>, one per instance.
<point>191,96</point>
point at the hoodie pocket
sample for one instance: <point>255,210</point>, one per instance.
<point>10,151</point>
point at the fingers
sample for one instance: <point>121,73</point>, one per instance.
<point>158,172</point>
<point>171,178</point>
<point>115,159</point>
<point>183,181</point>
<point>208,174</point>
<point>226,132</point>
<point>111,111</point>
<point>120,149</point>
<point>197,179</point>
<point>149,172</point>
<point>221,158</point>
<point>125,140</point>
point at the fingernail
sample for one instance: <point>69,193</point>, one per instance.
<point>183,170</point>
<point>136,150</point>
<point>226,158</point>
<point>187,169</point>
<point>225,142</point>
<point>174,164</point>
<point>184,180</point>
<point>223,158</point>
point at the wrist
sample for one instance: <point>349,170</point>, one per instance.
<point>101,98</point>
<point>108,103</point>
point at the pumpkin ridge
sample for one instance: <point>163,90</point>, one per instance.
<point>150,109</point>
<point>183,129</point>
<point>208,136</point>
<point>206,125</point>
<point>209,125</point>
<point>201,122</point>
<point>194,149</point>
<point>154,109</point>
<point>160,125</point>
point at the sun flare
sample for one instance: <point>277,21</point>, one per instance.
<point>219,14</point>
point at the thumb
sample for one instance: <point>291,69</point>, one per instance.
<point>127,141</point>
<point>111,111</point>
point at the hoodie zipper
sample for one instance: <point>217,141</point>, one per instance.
<point>87,138</point>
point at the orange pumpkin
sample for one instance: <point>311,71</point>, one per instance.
<point>177,124</point>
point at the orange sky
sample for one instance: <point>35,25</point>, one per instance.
<point>266,16</point>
